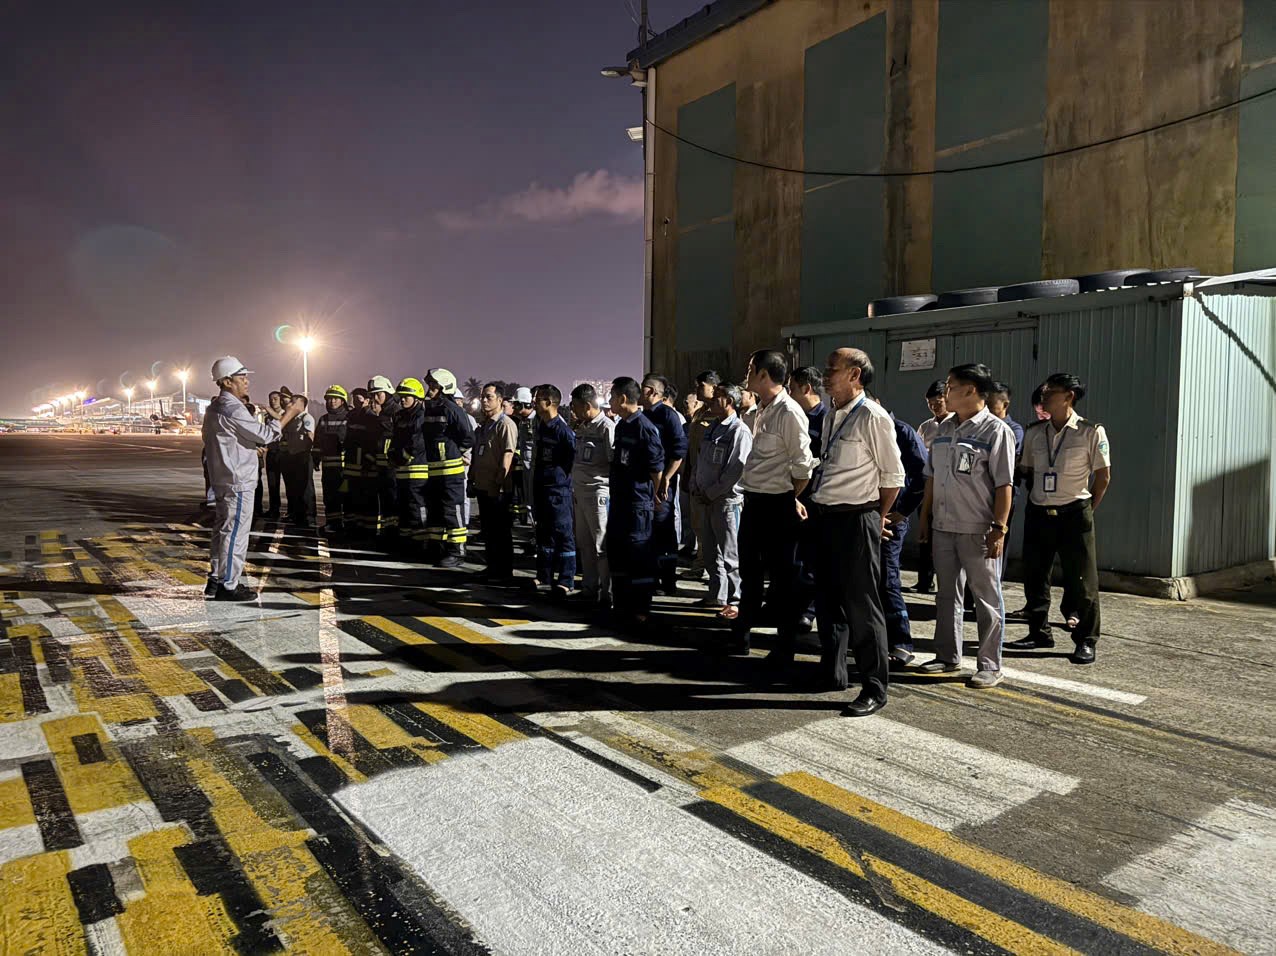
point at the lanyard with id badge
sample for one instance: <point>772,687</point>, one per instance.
<point>718,453</point>
<point>1050,479</point>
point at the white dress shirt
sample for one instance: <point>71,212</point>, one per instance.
<point>861,455</point>
<point>781,451</point>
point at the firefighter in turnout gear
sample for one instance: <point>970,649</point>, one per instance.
<point>329,454</point>
<point>385,404</point>
<point>412,469</point>
<point>359,467</point>
<point>448,436</point>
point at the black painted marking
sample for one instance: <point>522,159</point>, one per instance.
<point>57,660</point>
<point>529,729</point>
<point>983,890</point>
<point>88,747</point>
<point>93,889</point>
<point>420,724</point>
<point>105,684</point>
<point>843,881</point>
<point>169,784</point>
<point>188,645</point>
<point>118,650</point>
<point>366,758</point>
<point>302,678</point>
<point>246,667</point>
<point>58,829</point>
<point>206,700</point>
<point>33,700</point>
<point>323,773</point>
<point>362,874</point>
<point>235,691</point>
<point>212,870</point>
<point>154,644</point>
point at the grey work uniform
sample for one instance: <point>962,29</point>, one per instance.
<point>968,462</point>
<point>591,497</point>
<point>715,484</point>
<point>231,436</point>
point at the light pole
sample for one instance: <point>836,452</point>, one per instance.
<point>305,343</point>
<point>79,398</point>
<point>151,388</point>
<point>128,393</point>
<point>182,376</point>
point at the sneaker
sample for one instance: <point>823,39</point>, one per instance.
<point>241,593</point>
<point>937,666</point>
<point>983,679</point>
<point>211,588</point>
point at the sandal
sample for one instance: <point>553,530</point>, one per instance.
<point>729,613</point>
<point>1072,623</point>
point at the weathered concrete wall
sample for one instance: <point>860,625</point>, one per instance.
<point>1159,200</point>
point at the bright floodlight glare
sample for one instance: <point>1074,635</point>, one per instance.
<point>634,133</point>
<point>183,374</point>
<point>80,395</point>
<point>152,384</point>
<point>128,392</point>
<point>305,343</point>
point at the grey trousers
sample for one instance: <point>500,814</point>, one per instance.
<point>590,512</point>
<point>697,526</point>
<point>720,530</point>
<point>232,523</point>
<point>961,560</point>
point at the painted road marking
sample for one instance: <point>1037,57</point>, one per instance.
<point>1074,686</point>
<point>930,777</point>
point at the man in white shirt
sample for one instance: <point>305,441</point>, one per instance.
<point>231,438</point>
<point>778,469</point>
<point>855,488</point>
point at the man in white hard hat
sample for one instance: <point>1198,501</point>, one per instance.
<point>231,437</point>
<point>525,456</point>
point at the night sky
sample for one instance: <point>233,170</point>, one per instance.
<point>427,183</point>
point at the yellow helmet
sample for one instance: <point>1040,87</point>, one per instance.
<point>411,386</point>
<point>336,391</point>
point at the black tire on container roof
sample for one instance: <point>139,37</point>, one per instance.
<point>980,295</point>
<point>898,305</point>
<point>1111,279</point>
<point>1042,289</point>
<point>1153,276</point>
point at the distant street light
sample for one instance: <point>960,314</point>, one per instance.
<point>182,375</point>
<point>128,393</point>
<point>151,385</point>
<point>79,399</point>
<point>305,343</point>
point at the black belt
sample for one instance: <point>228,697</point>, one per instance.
<point>1053,511</point>
<point>847,509</point>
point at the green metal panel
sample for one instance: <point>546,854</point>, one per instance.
<point>1227,430</point>
<point>991,100</point>
<point>706,287</point>
<point>844,128</point>
<point>1256,149</point>
<point>1128,356</point>
<point>706,181</point>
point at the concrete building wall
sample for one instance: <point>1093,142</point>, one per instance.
<point>921,84</point>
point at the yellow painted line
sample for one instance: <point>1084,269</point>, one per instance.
<point>172,917</point>
<point>1146,929</point>
<point>509,622</point>
<point>167,678</point>
<point>15,804</point>
<point>59,575</point>
<point>93,786</point>
<point>37,913</point>
<point>116,611</point>
<point>50,535</point>
<point>383,733</point>
<point>697,767</point>
<point>450,626</point>
<point>91,576</point>
<point>115,710</point>
<point>11,706</point>
<point>397,631</point>
<point>480,728</point>
<point>50,548</point>
<point>319,747</point>
<point>279,866</point>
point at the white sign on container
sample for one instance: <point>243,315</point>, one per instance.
<point>916,354</point>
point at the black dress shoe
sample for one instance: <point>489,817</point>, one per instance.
<point>1030,643</point>
<point>1084,654</point>
<point>863,706</point>
<point>898,660</point>
<point>805,624</point>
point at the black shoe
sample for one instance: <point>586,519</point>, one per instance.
<point>1019,615</point>
<point>559,592</point>
<point>241,593</point>
<point>805,624</point>
<point>863,706</point>
<point>937,666</point>
<point>211,588</point>
<point>1030,643</point>
<point>450,561</point>
<point>1084,654</point>
<point>900,659</point>
<point>778,659</point>
<point>920,588</point>
<point>735,647</point>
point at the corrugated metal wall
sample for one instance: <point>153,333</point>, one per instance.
<point>1128,356</point>
<point>1227,431</point>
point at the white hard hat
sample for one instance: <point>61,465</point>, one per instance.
<point>523,396</point>
<point>444,379</point>
<point>379,383</point>
<point>227,366</point>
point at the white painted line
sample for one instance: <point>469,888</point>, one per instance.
<point>936,779</point>
<point>104,938</point>
<point>1213,877</point>
<point>672,790</point>
<point>35,606</point>
<point>107,832</point>
<point>17,842</point>
<point>561,856</point>
<point>1073,686</point>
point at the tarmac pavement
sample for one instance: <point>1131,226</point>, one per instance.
<point>383,757</point>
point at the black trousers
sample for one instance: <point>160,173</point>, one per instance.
<point>769,530</point>
<point>445,513</point>
<point>1069,533</point>
<point>334,499</point>
<point>386,525</point>
<point>274,475</point>
<point>631,556</point>
<point>412,512</point>
<point>497,515</point>
<point>848,597</point>
<point>299,484</point>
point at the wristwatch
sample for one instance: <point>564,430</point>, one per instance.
<point>1003,528</point>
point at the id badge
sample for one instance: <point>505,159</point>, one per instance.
<point>965,463</point>
<point>719,454</point>
<point>587,454</point>
<point>482,450</point>
<point>1050,482</point>
<point>624,456</point>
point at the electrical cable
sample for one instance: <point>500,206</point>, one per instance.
<point>836,174</point>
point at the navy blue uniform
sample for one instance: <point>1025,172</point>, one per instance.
<point>899,633</point>
<point>638,453</point>
<point>552,503</point>
<point>664,532</point>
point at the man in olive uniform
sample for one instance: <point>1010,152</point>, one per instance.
<point>328,451</point>
<point>1068,466</point>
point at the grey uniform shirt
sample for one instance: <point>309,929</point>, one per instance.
<point>968,462</point>
<point>1079,451</point>
<point>927,431</point>
<point>720,461</point>
<point>594,443</point>
<point>231,436</point>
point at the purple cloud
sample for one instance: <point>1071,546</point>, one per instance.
<point>593,193</point>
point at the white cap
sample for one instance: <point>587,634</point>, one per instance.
<point>523,396</point>
<point>227,366</point>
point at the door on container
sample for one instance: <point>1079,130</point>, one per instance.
<point>1011,353</point>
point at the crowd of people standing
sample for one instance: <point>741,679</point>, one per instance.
<point>791,493</point>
